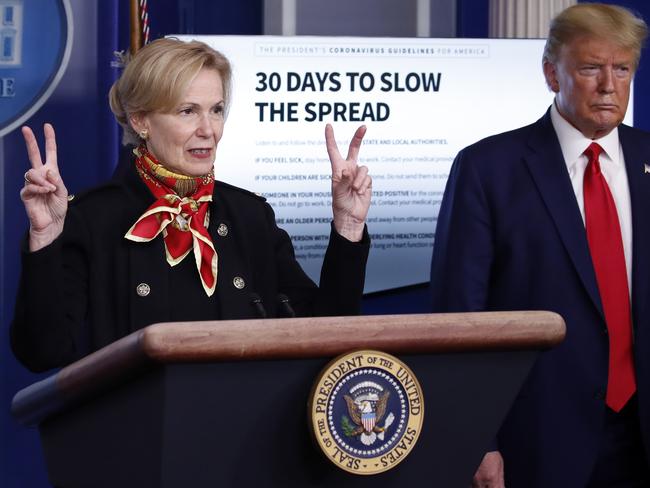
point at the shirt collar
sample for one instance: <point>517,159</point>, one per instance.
<point>573,142</point>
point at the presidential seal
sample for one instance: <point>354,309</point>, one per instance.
<point>366,411</point>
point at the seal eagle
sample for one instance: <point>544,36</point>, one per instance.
<point>365,417</point>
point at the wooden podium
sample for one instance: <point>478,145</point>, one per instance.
<point>221,404</point>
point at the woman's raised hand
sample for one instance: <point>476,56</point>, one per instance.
<point>44,195</point>
<point>351,186</point>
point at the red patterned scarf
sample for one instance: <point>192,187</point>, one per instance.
<point>181,213</point>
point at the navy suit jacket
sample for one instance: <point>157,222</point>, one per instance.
<point>510,237</point>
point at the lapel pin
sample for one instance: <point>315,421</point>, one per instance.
<point>646,168</point>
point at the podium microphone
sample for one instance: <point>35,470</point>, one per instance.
<point>258,305</point>
<point>285,304</point>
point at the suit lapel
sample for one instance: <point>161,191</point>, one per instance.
<point>547,167</point>
<point>637,155</point>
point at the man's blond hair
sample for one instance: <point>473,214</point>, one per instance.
<point>598,20</point>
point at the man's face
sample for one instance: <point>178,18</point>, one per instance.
<point>591,79</point>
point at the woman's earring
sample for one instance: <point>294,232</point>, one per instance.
<point>144,134</point>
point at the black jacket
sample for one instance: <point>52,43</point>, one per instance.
<point>81,292</point>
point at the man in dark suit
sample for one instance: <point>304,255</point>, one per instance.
<point>541,218</point>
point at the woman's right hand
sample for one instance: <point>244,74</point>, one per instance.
<point>44,195</point>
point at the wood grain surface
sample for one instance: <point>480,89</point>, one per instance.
<point>242,340</point>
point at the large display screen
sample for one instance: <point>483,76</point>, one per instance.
<point>422,100</point>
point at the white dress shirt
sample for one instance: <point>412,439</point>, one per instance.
<point>612,165</point>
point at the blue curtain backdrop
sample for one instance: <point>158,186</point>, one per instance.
<point>76,110</point>
<point>88,147</point>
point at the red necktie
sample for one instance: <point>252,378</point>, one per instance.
<point>606,247</point>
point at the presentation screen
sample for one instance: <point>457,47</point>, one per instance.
<point>422,101</point>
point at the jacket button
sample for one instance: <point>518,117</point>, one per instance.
<point>239,282</point>
<point>222,230</point>
<point>143,290</point>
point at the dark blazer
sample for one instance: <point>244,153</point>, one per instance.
<point>80,293</point>
<point>510,237</point>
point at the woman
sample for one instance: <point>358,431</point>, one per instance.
<point>163,241</point>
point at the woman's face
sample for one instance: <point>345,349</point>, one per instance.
<point>185,139</point>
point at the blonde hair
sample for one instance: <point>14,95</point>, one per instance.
<point>157,76</point>
<point>597,20</point>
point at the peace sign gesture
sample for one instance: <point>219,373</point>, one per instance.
<point>44,195</point>
<point>351,186</point>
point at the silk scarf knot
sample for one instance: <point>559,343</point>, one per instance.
<point>180,213</point>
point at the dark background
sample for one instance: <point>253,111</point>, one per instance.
<point>88,145</point>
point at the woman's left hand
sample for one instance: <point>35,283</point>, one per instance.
<point>351,186</point>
